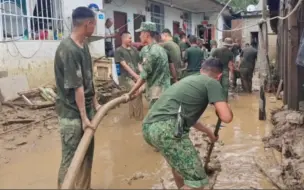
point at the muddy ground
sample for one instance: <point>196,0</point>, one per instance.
<point>287,138</point>
<point>22,137</point>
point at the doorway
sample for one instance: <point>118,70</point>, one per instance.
<point>138,19</point>
<point>176,26</point>
<point>254,39</point>
<point>121,23</point>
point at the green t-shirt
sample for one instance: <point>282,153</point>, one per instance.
<point>225,56</point>
<point>249,56</point>
<point>174,53</point>
<point>73,69</point>
<point>193,94</point>
<point>156,71</point>
<point>130,56</point>
<point>194,57</point>
<point>183,46</point>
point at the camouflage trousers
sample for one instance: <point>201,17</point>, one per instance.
<point>71,134</point>
<point>179,153</point>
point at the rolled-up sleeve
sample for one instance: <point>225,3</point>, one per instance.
<point>72,71</point>
<point>147,67</point>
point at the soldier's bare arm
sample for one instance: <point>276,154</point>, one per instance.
<point>129,69</point>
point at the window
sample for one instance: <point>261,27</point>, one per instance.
<point>31,19</point>
<point>157,16</point>
<point>188,22</point>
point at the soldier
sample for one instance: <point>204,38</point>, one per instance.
<point>226,57</point>
<point>76,101</point>
<point>174,54</point>
<point>192,96</point>
<point>248,59</point>
<point>193,59</point>
<point>154,69</point>
<point>213,45</point>
<point>183,44</point>
<point>128,57</point>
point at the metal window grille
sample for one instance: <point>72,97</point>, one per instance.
<point>31,20</point>
<point>157,16</point>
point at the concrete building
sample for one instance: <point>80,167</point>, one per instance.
<point>31,30</point>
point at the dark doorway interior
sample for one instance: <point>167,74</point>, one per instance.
<point>120,22</point>
<point>254,39</point>
<point>176,26</point>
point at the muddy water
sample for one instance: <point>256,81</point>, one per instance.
<point>120,153</point>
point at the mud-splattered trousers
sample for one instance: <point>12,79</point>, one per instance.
<point>179,153</point>
<point>225,83</point>
<point>71,134</point>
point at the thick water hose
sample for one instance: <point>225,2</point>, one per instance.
<point>82,148</point>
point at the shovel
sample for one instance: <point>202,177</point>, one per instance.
<point>216,131</point>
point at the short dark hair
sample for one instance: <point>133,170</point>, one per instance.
<point>213,64</point>
<point>80,14</point>
<point>182,36</point>
<point>124,32</point>
<point>192,39</point>
<point>167,31</point>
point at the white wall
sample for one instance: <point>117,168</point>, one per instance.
<point>35,59</point>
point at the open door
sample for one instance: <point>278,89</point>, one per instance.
<point>175,27</point>
<point>120,22</point>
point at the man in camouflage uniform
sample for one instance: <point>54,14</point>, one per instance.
<point>248,59</point>
<point>154,69</point>
<point>192,95</point>
<point>174,54</point>
<point>226,57</point>
<point>76,102</point>
<point>128,58</point>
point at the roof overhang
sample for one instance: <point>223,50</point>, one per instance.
<point>196,6</point>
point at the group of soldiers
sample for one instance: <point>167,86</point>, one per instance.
<point>178,79</point>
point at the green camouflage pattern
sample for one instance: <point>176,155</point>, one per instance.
<point>71,133</point>
<point>179,153</point>
<point>147,26</point>
<point>156,71</point>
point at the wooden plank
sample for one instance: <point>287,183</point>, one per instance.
<point>293,46</point>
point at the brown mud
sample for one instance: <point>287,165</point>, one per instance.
<point>287,138</point>
<point>30,156</point>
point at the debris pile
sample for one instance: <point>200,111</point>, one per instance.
<point>201,142</point>
<point>287,138</point>
<point>107,90</point>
